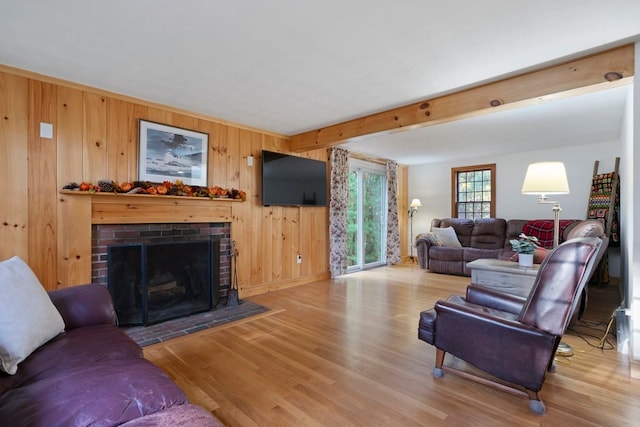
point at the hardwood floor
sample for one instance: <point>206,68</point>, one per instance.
<point>346,353</point>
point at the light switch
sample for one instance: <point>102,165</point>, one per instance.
<point>46,130</point>
<point>249,160</point>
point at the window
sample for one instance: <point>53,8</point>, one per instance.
<point>473,191</point>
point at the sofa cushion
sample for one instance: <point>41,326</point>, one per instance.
<point>472,254</point>
<point>488,233</point>
<point>446,237</point>
<point>447,267</point>
<point>462,226</point>
<point>514,228</point>
<point>446,254</point>
<point>446,260</point>
<point>28,318</point>
<point>104,393</point>
<point>94,375</point>
<point>81,346</point>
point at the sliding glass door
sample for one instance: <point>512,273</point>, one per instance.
<point>367,219</point>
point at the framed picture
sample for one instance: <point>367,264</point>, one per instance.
<point>169,153</point>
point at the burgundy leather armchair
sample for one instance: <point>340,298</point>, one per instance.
<point>511,338</point>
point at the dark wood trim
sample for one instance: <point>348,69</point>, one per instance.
<point>454,186</point>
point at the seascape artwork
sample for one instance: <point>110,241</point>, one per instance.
<point>172,153</point>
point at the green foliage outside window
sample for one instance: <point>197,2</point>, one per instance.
<point>372,217</point>
<point>474,193</point>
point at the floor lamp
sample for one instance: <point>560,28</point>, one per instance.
<point>543,179</point>
<point>413,208</point>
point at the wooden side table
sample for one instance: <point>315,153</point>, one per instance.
<point>503,276</point>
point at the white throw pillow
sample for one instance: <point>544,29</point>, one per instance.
<point>447,237</point>
<point>28,318</point>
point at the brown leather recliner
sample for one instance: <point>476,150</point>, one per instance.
<point>513,339</point>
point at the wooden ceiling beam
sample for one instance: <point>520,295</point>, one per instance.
<point>590,73</point>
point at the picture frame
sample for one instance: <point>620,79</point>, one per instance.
<point>169,153</point>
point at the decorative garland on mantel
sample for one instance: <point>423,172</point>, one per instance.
<point>167,188</point>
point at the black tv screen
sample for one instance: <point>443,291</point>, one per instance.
<point>293,181</point>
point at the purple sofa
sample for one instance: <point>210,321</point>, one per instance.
<point>480,238</point>
<point>93,374</point>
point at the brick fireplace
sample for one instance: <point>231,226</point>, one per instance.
<point>162,245</point>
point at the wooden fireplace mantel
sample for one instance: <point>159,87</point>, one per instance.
<point>114,208</point>
<point>80,210</point>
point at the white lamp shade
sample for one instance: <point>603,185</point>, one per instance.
<point>415,203</point>
<point>546,178</point>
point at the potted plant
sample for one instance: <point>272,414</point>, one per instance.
<point>525,246</point>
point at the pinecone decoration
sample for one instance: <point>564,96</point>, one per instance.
<point>71,186</point>
<point>106,186</point>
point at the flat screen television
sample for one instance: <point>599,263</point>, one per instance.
<point>293,181</point>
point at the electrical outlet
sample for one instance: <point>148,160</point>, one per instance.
<point>299,259</point>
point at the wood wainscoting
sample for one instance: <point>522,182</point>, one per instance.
<point>80,210</point>
<point>95,134</point>
<point>95,137</point>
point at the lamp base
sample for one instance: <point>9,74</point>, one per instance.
<point>564,350</point>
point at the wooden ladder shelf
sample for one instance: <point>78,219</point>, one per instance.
<point>603,205</point>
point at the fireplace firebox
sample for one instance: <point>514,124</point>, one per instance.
<point>154,282</point>
<point>161,271</point>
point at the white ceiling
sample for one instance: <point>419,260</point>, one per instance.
<point>288,66</point>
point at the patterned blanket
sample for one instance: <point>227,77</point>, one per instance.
<point>543,230</point>
<point>600,204</point>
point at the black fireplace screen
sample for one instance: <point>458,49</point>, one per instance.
<point>150,283</point>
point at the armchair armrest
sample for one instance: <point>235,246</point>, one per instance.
<point>84,305</point>
<point>477,294</point>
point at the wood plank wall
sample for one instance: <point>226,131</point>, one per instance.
<point>96,137</point>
